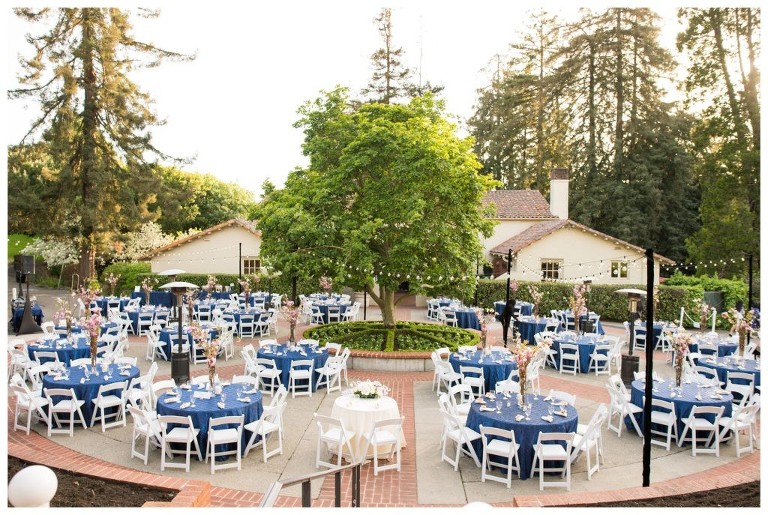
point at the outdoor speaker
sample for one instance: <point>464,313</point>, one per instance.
<point>24,264</point>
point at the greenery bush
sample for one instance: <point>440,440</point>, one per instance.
<point>407,336</point>
<point>131,275</point>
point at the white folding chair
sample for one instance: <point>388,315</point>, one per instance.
<point>622,407</point>
<point>178,430</point>
<point>316,316</point>
<point>139,392</point>
<point>67,403</point>
<point>698,421</point>
<point>247,326</point>
<point>110,403</point>
<point>268,424</point>
<point>563,397</point>
<point>302,370</point>
<point>268,371</point>
<point>161,387</point>
<point>584,443</point>
<point>742,421</point>
<point>28,403</point>
<point>386,433</point>
<point>227,430</point>
<point>461,435</point>
<point>334,314</point>
<point>553,452</point>
<point>741,385</point>
<point>345,353</point>
<point>145,320</point>
<point>473,376</point>
<point>332,434</point>
<point>330,374</point>
<point>147,427</point>
<point>663,415</point>
<point>447,376</point>
<point>501,444</point>
<point>569,358</point>
<point>600,360</point>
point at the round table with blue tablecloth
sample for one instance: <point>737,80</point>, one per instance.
<point>170,336</point>
<point>18,314</point>
<point>526,431</point>
<point>323,307</point>
<point>723,365</point>
<point>586,347</point>
<point>724,348</point>
<point>657,327</point>
<point>684,402</point>
<point>65,350</point>
<point>249,405</point>
<point>467,318</point>
<point>87,387</point>
<point>529,326</point>
<point>156,298</point>
<point>526,308</point>
<point>103,303</point>
<point>284,356</point>
<point>496,367</point>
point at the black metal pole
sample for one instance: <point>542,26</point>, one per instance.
<point>648,369</point>
<point>506,315</point>
<point>365,304</point>
<point>179,359</point>
<point>240,266</point>
<point>749,298</point>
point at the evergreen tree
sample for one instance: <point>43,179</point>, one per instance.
<point>95,121</point>
<point>390,77</point>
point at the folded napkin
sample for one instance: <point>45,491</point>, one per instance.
<point>490,395</point>
<point>518,418</point>
<point>58,378</point>
<point>547,398</point>
<point>672,394</point>
<point>698,396</point>
<point>486,408</point>
<point>563,412</point>
<point>548,418</point>
<point>126,373</point>
<point>220,405</point>
<point>251,391</point>
<point>658,379</point>
<point>185,405</point>
<point>202,395</point>
<point>479,400</point>
<point>722,392</point>
<point>716,396</point>
<point>186,386</point>
<point>244,399</point>
<point>82,380</point>
<point>171,400</point>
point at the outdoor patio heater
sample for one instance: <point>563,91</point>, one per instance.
<point>179,359</point>
<point>629,362</point>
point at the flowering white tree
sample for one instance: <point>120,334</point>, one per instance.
<point>149,237</point>
<point>54,252</point>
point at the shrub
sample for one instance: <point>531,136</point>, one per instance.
<point>407,336</point>
<point>131,274</point>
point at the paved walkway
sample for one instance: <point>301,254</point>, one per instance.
<point>423,481</point>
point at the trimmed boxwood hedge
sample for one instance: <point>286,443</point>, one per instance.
<point>407,336</point>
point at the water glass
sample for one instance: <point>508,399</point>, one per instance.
<point>550,409</point>
<point>223,397</point>
<point>191,399</point>
<point>498,405</point>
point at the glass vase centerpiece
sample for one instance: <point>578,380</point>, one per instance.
<point>741,324</point>
<point>147,285</point>
<point>523,355</point>
<point>92,325</point>
<point>704,310</point>
<point>681,344</point>
<point>369,389</point>
<point>209,347</point>
<point>485,317</point>
<point>578,304</point>
<point>112,281</point>
<point>326,285</point>
<point>291,313</point>
<point>536,296</point>
<point>245,286</point>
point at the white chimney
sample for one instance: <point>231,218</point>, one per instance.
<point>558,193</point>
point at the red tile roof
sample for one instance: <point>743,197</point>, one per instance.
<point>539,230</point>
<point>518,204</point>
<point>245,224</point>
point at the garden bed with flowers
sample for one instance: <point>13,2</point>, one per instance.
<point>405,337</point>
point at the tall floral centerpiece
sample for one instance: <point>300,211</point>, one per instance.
<point>704,310</point>
<point>87,295</point>
<point>112,281</point>
<point>245,284</point>
<point>147,285</point>
<point>536,296</point>
<point>740,324</point>
<point>92,325</point>
<point>64,312</point>
<point>578,304</point>
<point>523,355</point>
<point>369,389</point>
<point>485,317</point>
<point>681,343</point>
<point>210,348</point>
<point>210,286</point>
<point>326,284</point>
<point>291,313</point>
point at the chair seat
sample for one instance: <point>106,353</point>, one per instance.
<point>383,437</point>
<point>301,374</point>
<point>227,435</point>
<point>501,447</point>
<point>660,417</point>
<point>552,452</point>
<point>262,429</point>
<point>699,424</point>
<point>181,434</point>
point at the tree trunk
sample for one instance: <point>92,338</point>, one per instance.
<point>385,299</point>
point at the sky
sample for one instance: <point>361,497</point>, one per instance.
<point>232,109</point>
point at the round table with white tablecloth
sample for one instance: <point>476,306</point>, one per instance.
<point>359,415</point>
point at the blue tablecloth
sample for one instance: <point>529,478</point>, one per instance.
<point>79,348</point>
<point>467,318</point>
<point>134,316</point>
<point>722,367</point>
<point>89,390</point>
<point>495,368</point>
<point>723,349</point>
<point>526,308</point>
<point>105,326</point>
<point>529,327</point>
<point>657,327</point>
<point>156,298</point>
<point>324,308</point>
<point>599,329</point>
<point>683,404</point>
<point>285,357</point>
<point>206,409</point>
<point>526,431</point>
<point>18,314</point>
<point>170,337</point>
<point>586,347</point>
<point>103,303</point>
<point>257,316</point>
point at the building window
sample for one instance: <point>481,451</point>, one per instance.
<point>251,265</point>
<point>619,269</point>
<point>550,269</point>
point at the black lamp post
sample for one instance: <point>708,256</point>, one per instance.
<point>587,327</point>
<point>179,359</point>
<point>629,362</point>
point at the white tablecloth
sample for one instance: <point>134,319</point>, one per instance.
<point>359,415</point>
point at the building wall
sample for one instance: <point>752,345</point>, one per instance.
<point>503,231</point>
<point>575,247</point>
<point>215,253</point>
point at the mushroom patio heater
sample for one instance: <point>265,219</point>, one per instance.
<point>629,362</point>
<point>179,359</point>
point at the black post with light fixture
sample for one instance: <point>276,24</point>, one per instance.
<point>648,370</point>
<point>509,308</point>
<point>629,362</point>
<point>587,322</point>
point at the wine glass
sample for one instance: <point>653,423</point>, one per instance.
<point>223,397</point>
<point>192,399</point>
<point>550,410</point>
<point>498,405</point>
<point>528,411</point>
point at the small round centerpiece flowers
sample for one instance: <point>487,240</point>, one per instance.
<point>369,389</point>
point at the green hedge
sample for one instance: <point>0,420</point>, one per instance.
<point>131,275</point>
<point>407,336</point>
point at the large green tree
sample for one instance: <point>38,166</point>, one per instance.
<point>94,121</point>
<point>723,84</point>
<point>391,195</point>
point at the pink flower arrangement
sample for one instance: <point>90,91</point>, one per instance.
<point>245,284</point>
<point>291,313</point>
<point>211,284</point>
<point>92,324</point>
<point>513,285</point>
<point>87,295</point>
<point>741,324</point>
<point>536,296</point>
<point>326,284</point>
<point>577,301</point>
<point>112,281</point>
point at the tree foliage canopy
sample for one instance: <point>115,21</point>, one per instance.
<point>391,195</point>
